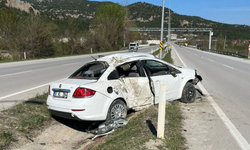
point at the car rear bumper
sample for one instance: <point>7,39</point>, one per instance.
<point>87,109</point>
<point>63,115</point>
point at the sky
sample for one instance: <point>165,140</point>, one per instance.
<point>224,11</point>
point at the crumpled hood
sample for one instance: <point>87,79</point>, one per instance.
<point>187,69</point>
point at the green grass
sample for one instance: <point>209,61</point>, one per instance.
<point>5,139</point>
<point>174,140</point>
<point>168,58</point>
<point>23,118</point>
<point>156,52</point>
<point>143,127</point>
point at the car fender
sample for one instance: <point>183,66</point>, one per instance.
<point>185,77</point>
<point>112,90</point>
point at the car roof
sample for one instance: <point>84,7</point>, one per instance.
<point>123,57</point>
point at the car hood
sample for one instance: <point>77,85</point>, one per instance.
<point>187,69</point>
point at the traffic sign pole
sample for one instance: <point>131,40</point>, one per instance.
<point>160,45</point>
<point>162,21</point>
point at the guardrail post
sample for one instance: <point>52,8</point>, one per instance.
<point>249,51</point>
<point>24,55</point>
<point>210,38</point>
<point>161,112</point>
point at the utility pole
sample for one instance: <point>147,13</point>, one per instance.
<point>124,38</point>
<point>162,21</point>
<point>169,25</point>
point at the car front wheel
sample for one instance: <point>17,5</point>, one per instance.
<point>188,93</point>
<point>117,110</point>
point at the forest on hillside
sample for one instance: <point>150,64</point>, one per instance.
<point>72,27</point>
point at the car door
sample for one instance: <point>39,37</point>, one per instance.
<point>135,85</point>
<point>160,74</point>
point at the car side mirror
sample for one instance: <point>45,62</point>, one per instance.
<point>173,73</point>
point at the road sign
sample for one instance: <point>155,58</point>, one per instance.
<point>161,44</point>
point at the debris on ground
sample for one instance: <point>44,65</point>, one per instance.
<point>106,128</point>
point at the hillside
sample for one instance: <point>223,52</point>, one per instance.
<point>140,14</point>
<point>83,12</point>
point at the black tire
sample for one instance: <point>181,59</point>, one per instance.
<point>188,93</point>
<point>117,109</point>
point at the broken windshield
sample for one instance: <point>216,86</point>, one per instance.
<point>92,71</point>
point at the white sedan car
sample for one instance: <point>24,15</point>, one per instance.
<point>105,88</point>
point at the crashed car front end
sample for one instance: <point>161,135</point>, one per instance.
<point>197,78</point>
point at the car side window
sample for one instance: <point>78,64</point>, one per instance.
<point>155,68</point>
<point>130,69</point>
<point>113,75</point>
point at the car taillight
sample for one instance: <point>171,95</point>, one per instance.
<point>83,92</point>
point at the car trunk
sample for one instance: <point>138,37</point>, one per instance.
<point>64,90</point>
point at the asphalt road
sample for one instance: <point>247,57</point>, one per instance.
<point>227,80</point>
<point>22,80</point>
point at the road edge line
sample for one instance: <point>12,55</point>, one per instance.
<point>27,90</point>
<point>230,126</point>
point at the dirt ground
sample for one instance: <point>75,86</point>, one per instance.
<point>57,136</point>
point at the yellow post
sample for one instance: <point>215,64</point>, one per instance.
<point>161,112</point>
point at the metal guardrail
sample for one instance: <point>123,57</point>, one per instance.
<point>171,29</point>
<point>225,53</point>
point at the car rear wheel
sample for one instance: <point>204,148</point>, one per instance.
<point>117,110</point>
<point>188,93</point>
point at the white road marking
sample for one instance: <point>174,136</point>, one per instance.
<point>210,60</point>
<point>227,66</point>
<point>15,73</point>
<point>230,126</point>
<point>27,90</point>
<point>70,64</point>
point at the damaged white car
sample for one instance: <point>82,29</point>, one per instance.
<point>105,88</point>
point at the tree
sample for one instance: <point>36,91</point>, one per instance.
<point>8,23</point>
<point>8,31</point>
<point>108,26</point>
<point>36,37</point>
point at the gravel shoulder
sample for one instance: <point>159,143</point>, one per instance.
<point>202,126</point>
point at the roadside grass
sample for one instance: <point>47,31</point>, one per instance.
<point>142,128</point>
<point>167,57</point>
<point>22,119</point>
<point>156,52</point>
